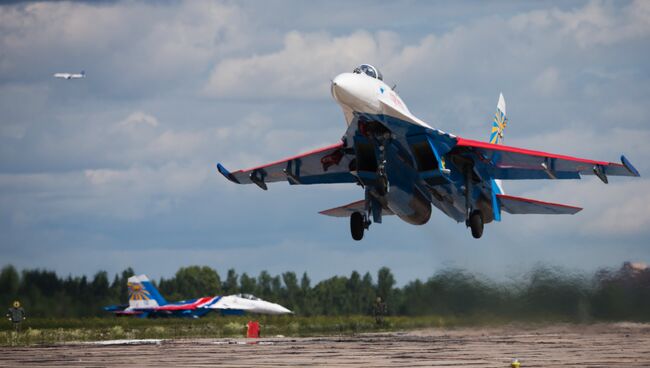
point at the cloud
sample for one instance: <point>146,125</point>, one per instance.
<point>305,62</point>
<point>618,214</point>
<point>139,117</point>
<point>601,23</point>
<point>124,47</point>
<point>598,23</point>
<point>548,82</point>
<point>609,212</point>
<point>301,69</point>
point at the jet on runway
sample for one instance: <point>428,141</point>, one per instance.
<point>70,75</point>
<point>145,301</point>
<point>406,167</point>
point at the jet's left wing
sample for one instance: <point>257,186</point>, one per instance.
<point>325,165</point>
<point>505,162</point>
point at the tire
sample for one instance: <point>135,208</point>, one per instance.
<point>476,224</point>
<point>357,226</point>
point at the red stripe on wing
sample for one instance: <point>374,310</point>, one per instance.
<point>190,306</point>
<point>462,142</point>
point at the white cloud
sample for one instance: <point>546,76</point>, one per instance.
<point>304,64</point>
<point>596,24</point>
<point>139,117</point>
<point>301,69</point>
<point>548,82</point>
<point>601,23</point>
<point>613,211</point>
<point>621,211</point>
<point>123,46</point>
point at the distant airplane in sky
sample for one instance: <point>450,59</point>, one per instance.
<point>70,75</point>
<point>145,301</point>
<point>405,166</point>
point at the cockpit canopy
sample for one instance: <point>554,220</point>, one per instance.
<point>368,70</point>
<point>248,296</point>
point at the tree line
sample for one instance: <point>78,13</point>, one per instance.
<point>544,293</point>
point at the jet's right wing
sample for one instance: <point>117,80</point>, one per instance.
<point>327,165</point>
<point>506,162</point>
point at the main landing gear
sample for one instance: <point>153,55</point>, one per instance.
<point>475,222</point>
<point>475,219</point>
<point>358,223</point>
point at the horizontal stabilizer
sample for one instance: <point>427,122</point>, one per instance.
<point>349,209</point>
<point>521,206</point>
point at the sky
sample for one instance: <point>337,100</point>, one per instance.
<point>118,169</point>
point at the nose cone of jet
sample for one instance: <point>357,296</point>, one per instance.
<point>272,308</point>
<point>264,307</point>
<point>345,88</point>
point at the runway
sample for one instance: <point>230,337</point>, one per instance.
<point>600,345</point>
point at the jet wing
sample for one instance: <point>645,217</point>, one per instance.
<point>325,165</point>
<point>505,162</point>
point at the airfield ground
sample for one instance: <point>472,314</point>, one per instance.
<point>560,345</point>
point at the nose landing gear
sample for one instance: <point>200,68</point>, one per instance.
<point>358,223</point>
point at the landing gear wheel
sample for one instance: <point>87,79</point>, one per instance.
<point>476,224</point>
<point>357,225</point>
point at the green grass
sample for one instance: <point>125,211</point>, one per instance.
<point>51,331</point>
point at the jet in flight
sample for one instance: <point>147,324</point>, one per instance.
<point>145,301</point>
<point>406,167</point>
<point>70,75</point>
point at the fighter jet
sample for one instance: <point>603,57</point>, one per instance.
<point>145,301</point>
<point>406,167</point>
<point>70,75</point>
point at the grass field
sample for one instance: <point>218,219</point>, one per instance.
<point>50,331</point>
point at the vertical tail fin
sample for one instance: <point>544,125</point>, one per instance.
<point>499,122</point>
<point>142,293</point>
<point>496,137</point>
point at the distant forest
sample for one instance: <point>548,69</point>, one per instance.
<point>544,293</point>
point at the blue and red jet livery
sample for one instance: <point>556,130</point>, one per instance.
<point>406,167</point>
<point>146,301</point>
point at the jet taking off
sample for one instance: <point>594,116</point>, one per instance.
<point>70,75</point>
<point>145,301</point>
<point>405,166</point>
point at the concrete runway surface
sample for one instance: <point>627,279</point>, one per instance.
<point>598,345</point>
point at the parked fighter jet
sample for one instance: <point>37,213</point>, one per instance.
<point>146,301</point>
<point>70,75</point>
<point>405,165</point>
